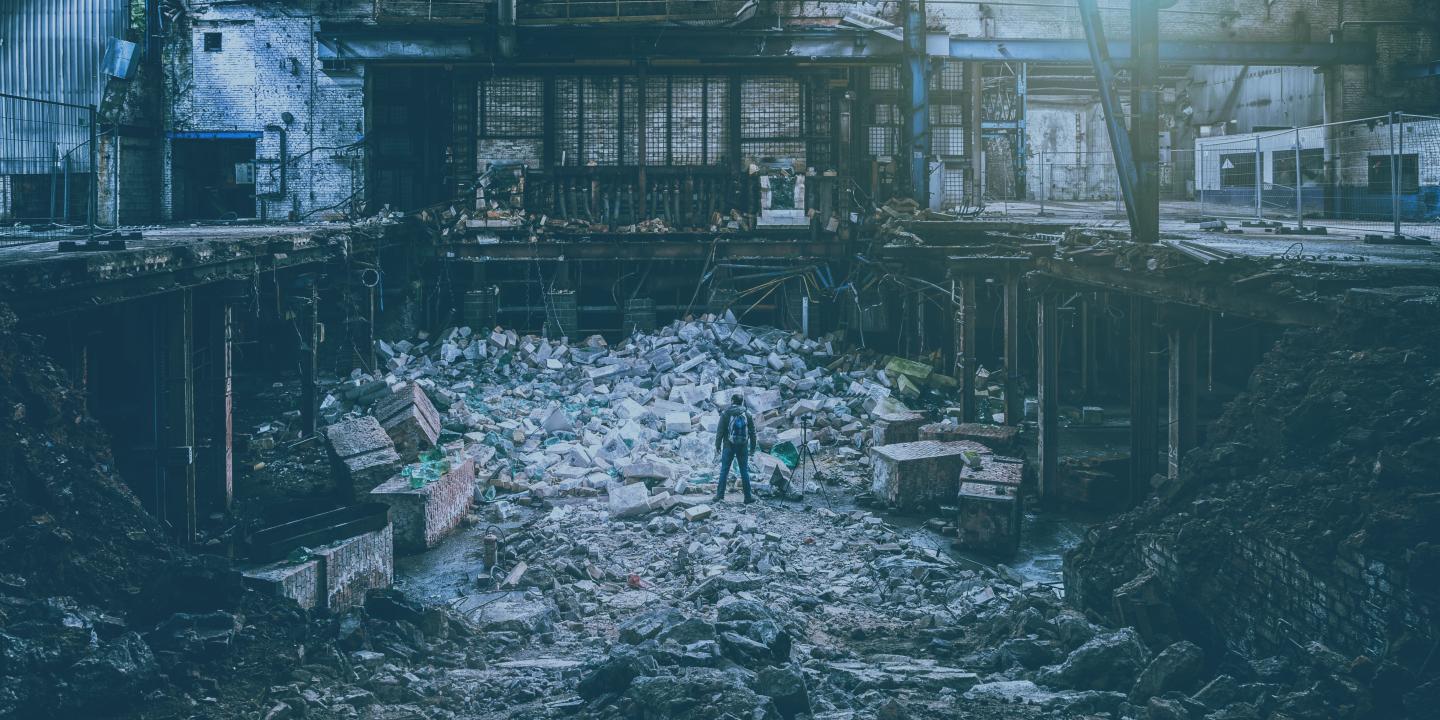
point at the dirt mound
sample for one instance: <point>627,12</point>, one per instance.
<point>68,524</point>
<point>1321,477</point>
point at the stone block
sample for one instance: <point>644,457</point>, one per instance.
<point>629,500</point>
<point>677,422</point>
<point>298,581</point>
<point>410,419</point>
<point>1003,439</point>
<point>422,516</point>
<point>351,566</point>
<point>919,475</point>
<point>989,506</point>
<point>362,454</point>
<point>891,428</point>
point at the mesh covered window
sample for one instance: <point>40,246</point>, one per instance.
<point>511,107</point>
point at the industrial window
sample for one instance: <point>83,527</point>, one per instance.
<point>821,151</point>
<point>685,120</point>
<point>884,78</point>
<point>772,118</point>
<point>950,77</point>
<point>601,109</point>
<point>947,129</point>
<point>1237,170</point>
<point>884,129</point>
<point>512,107</point>
<point>1312,167</point>
<point>1409,173</point>
<point>213,41</point>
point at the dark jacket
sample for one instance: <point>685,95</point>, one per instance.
<point>722,433</point>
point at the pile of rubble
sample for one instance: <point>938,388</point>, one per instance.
<point>1328,456</point>
<point>579,420</point>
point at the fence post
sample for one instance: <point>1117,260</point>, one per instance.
<point>1299,204</point>
<point>94,176</point>
<point>54,179</point>
<point>1396,163</point>
<point>1199,163</point>
<point>1044,184</point>
<point>1259,180</point>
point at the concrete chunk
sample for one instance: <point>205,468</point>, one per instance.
<point>422,516</point>
<point>410,419</point>
<point>362,453</point>
<point>919,475</point>
<point>629,501</point>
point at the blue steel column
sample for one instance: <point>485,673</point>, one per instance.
<point>1145,117</point>
<point>915,132</point>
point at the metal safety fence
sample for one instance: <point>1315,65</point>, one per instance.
<point>48,159</point>
<point>1378,175</point>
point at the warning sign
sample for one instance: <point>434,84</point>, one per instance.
<point>1227,165</point>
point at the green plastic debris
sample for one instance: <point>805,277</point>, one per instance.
<point>787,453</point>
<point>972,459</point>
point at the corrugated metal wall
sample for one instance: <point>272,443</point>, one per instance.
<point>1269,97</point>
<point>51,50</point>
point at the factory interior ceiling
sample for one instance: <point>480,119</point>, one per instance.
<point>703,359</point>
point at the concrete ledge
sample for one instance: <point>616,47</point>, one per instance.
<point>1003,439</point>
<point>421,517</point>
<point>298,581</point>
<point>351,566</point>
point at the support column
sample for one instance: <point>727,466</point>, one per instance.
<point>965,361</point>
<point>1145,117</point>
<point>1087,349</point>
<point>219,490</point>
<point>309,355</point>
<point>1183,364</point>
<point>1144,410</point>
<point>1014,401</point>
<point>915,132</point>
<point>1048,394</point>
<point>177,448</point>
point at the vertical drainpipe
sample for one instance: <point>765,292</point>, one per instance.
<point>916,135</point>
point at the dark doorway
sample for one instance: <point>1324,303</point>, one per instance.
<point>410,122</point>
<point>214,179</point>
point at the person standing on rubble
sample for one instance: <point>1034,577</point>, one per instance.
<point>735,442</point>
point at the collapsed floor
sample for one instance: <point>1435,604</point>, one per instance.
<point>605,603</point>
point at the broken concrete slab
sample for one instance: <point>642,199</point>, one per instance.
<point>422,516</point>
<point>410,419</point>
<point>1003,439</point>
<point>350,567</point>
<point>629,500</point>
<point>362,454</point>
<point>920,475</point>
<point>895,427</point>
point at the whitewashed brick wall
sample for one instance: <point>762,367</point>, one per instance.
<point>268,67</point>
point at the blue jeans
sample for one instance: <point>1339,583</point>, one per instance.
<point>740,455</point>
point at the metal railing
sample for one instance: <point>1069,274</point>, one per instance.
<point>48,162</point>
